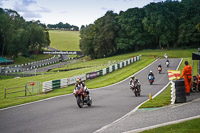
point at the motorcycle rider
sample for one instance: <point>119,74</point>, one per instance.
<point>136,82</point>
<point>159,66</point>
<point>167,62</point>
<point>165,56</point>
<point>151,74</point>
<point>80,84</point>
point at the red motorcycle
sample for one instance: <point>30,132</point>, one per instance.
<point>159,69</point>
<point>82,98</point>
<point>135,88</point>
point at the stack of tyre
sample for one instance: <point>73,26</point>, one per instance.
<point>180,91</point>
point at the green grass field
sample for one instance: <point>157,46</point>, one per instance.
<point>191,126</point>
<point>64,40</point>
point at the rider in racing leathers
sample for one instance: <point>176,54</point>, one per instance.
<point>151,74</point>
<point>136,82</point>
<point>79,84</point>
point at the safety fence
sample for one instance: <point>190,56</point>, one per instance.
<point>173,92</point>
<point>30,88</point>
<point>28,66</point>
<point>61,83</point>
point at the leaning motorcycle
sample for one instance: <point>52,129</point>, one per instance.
<point>151,79</point>
<point>135,88</point>
<point>159,69</point>
<point>82,98</point>
<point>167,63</point>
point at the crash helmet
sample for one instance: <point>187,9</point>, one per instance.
<point>150,71</point>
<point>132,77</point>
<point>78,80</point>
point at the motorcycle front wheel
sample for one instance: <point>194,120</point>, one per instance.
<point>79,101</point>
<point>89,100</point>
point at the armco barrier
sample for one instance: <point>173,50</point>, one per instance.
<point>100,72</point>
<point>107,70</point>
<point>56,84</point>
<point>47,86</point>
<point>63,82</point>
<point>50,85</point>
<point>92,75</point>
<point>104,71</point>
<point>110,69</point>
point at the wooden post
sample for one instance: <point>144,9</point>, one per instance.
<point>5,92</point>
<point>25,88</point>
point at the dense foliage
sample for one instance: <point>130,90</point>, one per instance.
<point>66,26</point>
<point>168,24</point>
<point>18,36</point>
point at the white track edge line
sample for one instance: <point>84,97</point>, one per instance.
<point>163,124</point>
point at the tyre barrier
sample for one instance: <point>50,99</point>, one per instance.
<point>180,91</point>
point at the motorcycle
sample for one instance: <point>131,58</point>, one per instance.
<point>82,98</point>
<point>167,63</point>
<point>135,88</point>
<point>159,69</point>
<point>151,79</point>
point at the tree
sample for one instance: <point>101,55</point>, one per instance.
<point>106,29</point>
<point>38,38</point>
<point>131,34</point>
<point>188,34</point>
<point>98,40</point>
<point>18,36</point>
<point>87,40</point>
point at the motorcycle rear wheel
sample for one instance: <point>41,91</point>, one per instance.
<point>136,94</point>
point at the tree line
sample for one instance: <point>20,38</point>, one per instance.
<point>61,25</point>
<point>18,36</point>
<point>169,24</point>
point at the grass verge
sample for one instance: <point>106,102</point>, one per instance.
<point>161,100</point>
<point>191,126</point>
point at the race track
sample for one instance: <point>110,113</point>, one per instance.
<point>62,115</point>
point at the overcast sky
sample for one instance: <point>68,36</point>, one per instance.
<point>74,12</point>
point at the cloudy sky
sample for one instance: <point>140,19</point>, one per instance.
<point>74,12</point>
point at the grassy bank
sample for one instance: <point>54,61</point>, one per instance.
<point>64,40</point>
<point>161,100</point>
<point>191,126</point>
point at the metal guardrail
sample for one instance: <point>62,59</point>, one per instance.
<point>29,66</point>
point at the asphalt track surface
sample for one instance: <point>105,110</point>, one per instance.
<point>62,115</point>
